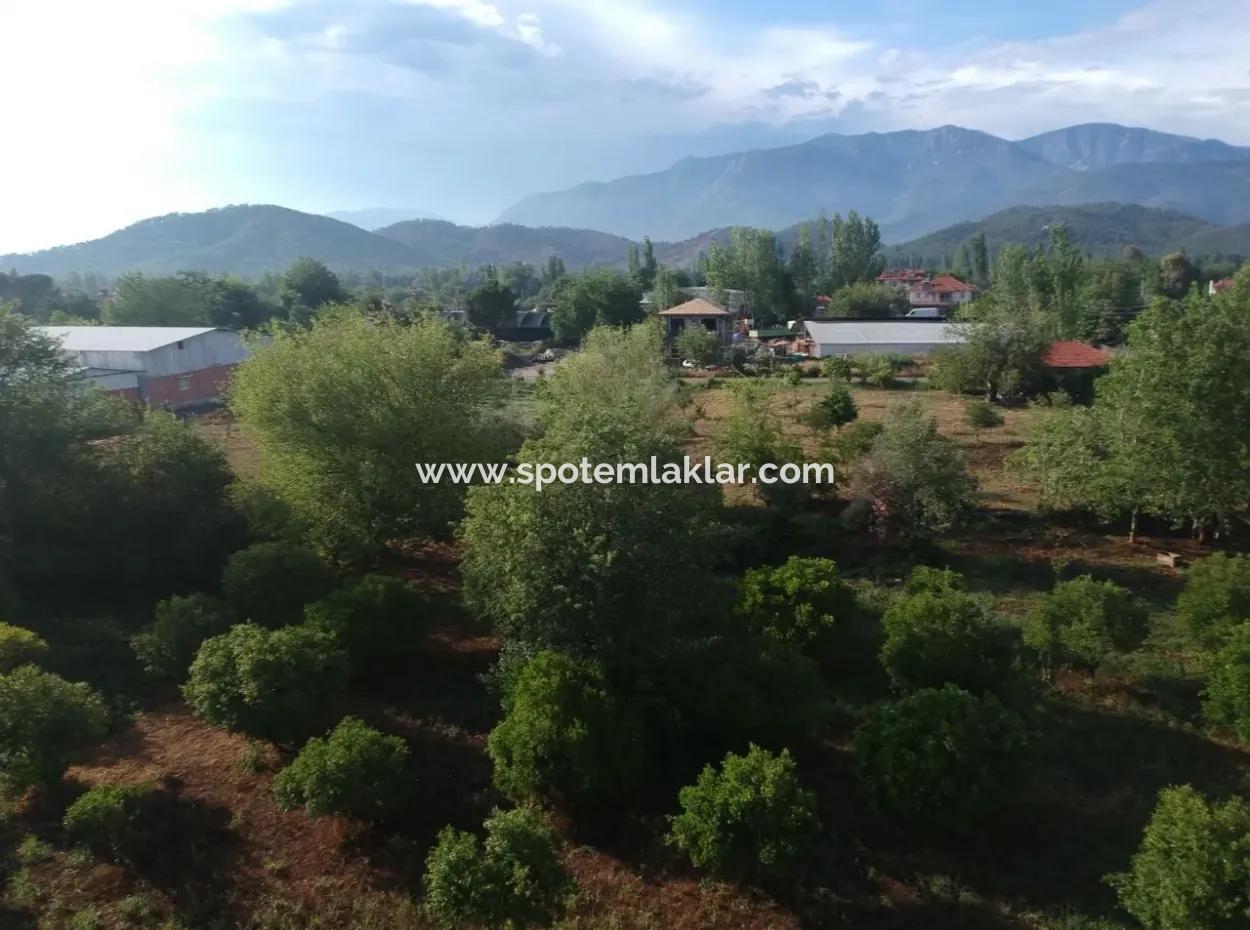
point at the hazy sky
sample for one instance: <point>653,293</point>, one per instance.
<point>119,110</point>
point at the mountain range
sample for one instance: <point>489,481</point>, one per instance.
<point>372,218</point>
<point>911,182</point>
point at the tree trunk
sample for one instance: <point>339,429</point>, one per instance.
<point>1132,527</point>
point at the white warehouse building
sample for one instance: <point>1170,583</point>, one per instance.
<point>896,337</point>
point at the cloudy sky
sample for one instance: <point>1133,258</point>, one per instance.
<point>120,110</point>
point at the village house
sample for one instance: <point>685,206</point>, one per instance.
<point>942,291</point>
<point>698,312</point>
<point>161,366</point>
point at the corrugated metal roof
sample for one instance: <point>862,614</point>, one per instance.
<point>882,332</point>
<point>121,338</point>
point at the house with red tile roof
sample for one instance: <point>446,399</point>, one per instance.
<point>1219,287</point>
<point>944,291</point>
<point>1068,355</point>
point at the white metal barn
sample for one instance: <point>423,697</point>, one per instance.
<point>863,337</point>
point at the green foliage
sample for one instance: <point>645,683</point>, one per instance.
<point>1216,597</point>
<point>565,734</point>
<point>165,649</point>
<point>916,477</point>
<point>837,367</point>
<point>1002,353</point>
<point>108,819</point>
<point>353,771</point>
<point>854,441</point>
<point>1228,683</point>
<point>980,415</point>
<point>878,368</point>
<point>869,300</point>
<point>491,305</point>
<point>375,397</point>
<point>799,602</point>
<point>855,250</point>
<point>751,817</point>
<point>1192,870</point>
<point>751,262</point>
<point>698,344</point>
<point>597,297</point>
<point>307,286</point>
<point>377,619</point>
<point>939,757</point>
<point>751,433</point>
<point>935,636</point>
<point>18,646</point>
<point>1082,622</point>
<point>837,408</point>
<point>189,298</point>
<point>271,683</point>
<point>44,719</point>
<point>270,582</point>
<point>513,880</point>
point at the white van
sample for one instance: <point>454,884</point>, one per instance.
<point>926,313</point>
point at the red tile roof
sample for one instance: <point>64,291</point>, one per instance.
<point>945,283</point>
<point>696,307</point>
<point>1070,354</point>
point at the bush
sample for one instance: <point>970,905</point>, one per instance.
<point>979,415</point>
<point>854,441</point>
<point>44,719</point>
<point>837,368</point>
<point>354,771</point>
<point>751,817</point>
<point>878,369</point>
<point>1081,622</point>
<point>1192,870</point>
<point>564,734</point>
<point>165,649</point>
<point>927,578</point>
<point>1216,597</point>
<point>376,619</point>
<point>270,683</point>
<point>836,408</point>
<point>1228,683</point>
<point>799,602</point>
<point>18,646</point>
<point>939,757</point>
<point>107,818</point>
<point>514,879</point>
<point>270,582</point>
<point>937,636</point>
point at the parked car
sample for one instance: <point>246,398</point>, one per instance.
<point>926,313</point>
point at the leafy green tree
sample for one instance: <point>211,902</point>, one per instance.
<point>375,397</point>
<point>1228,683</point>
<point>838,367</point>
<point>1216,597</point>
<point>939,758</point>
<point>378,620</point>
<point>44,719</point>
<point>749,817</point>
<point>168,645</point>
<point>868,300</point>
<point>597,297</point>
<point>553,270</point>
<point>916,478</point>
<point>938,636</point>
<point>513,880</point>
<point>353,771</point>
<point>980,260</point>
<point>1002,352</point>
<point>111,819</point>
<point>19,646</point>
<point>804,269</point>
<point>1176,274</point>
<point>800,601</point>
<point>1081,622</point>
<point>855,248</point>
<point>837,408</point>
<point>491,305</point>
<point>750,433</point>
<point>308,285</point>
<point>979,415</point>
<point>667,291</point>
<point>750,262</point>
<point>1192,870</point>
<point>565,734</point>
<point>699,345</point>
<point>270,582</point>
<point>271,683</point>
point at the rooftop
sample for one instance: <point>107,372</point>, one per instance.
<point>696,307</point>
<point>1069,354</point>
<point>121,338</point>
<point>883,332</point>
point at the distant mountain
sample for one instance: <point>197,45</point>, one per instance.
<point>374,218</point>
<point>911,182</point>
<point>437,242</point>
<point>1102,229</point>
<point>1102,145</point>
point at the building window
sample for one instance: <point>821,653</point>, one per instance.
<point>184,384</point>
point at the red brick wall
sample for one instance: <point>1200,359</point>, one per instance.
<point>205,384</point>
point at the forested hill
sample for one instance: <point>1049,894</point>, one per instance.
<point>1101,229</point>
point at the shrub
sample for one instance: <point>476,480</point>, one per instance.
<point>1216,597</point>
<point>514,879</point>
<point>750,817</point>
<point>376,619</point>
<point>939,757</point>
<point>927,578</point>
<point>44,719</point>
<point>165,649</point>
<point>837,368</point>
<point>793,376</point>
<point>1192,870</point>
<point>564,734</point>
<point>854,441</point>
<point>1081,622</point>
<point>271,683</point>
<point>107,818</point>
<point>270,582</point>
<point>354,771</point>
<point>836,408</point>
<point>980,415</point>
<point>936,636</point>
<point>878,369</point>
<point>18,646</point>
<point>1228,683</point>
<point>798,602</point>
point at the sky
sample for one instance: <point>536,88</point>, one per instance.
<point>133,108</point>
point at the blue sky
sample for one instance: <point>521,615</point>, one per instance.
<point>140,107</point>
